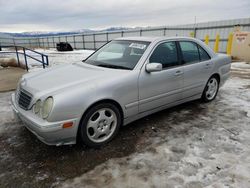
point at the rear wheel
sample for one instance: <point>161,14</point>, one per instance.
<point>100,124</point>
<point>211,89</point>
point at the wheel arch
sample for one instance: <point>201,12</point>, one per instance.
<point>216,75</point>
<point>101,102</point>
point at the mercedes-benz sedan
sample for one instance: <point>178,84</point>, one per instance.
<point>126,79</point>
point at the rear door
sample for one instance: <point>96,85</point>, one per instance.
<point>197,66</point>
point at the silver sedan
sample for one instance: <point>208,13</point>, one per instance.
<point>126,79</point>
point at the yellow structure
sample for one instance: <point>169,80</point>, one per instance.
<point>216,44</point>
<point>207,39</point>
<point>191,34</point>
<point>241,46</point>
<point>229,43</point>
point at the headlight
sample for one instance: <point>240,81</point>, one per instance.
<point>47,107</point>
<point>37,106</point>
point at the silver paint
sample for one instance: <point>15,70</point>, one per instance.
<point>78,86</point>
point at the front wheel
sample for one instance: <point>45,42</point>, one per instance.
<point>100,124</point>
<point>211,90</point>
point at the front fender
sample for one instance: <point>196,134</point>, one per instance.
<point>72,103</point>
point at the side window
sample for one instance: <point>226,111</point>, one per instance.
<point>203,54</point>
<point>190,52</point>
<point>166,54</point>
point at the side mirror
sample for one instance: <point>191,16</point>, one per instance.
<point>153,67</point>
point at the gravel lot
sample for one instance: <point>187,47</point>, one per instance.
<point>191,145</point>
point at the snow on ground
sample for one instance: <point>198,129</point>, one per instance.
<point>193,145</point>
<point>7,116</point>
<point>241,67</point>
<point>210,148</point>
<point>55,57</point>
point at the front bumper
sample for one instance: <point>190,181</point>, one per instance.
<point>50,133</point>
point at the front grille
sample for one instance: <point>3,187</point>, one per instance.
<point>24,99</point>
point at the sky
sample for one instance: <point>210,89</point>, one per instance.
<point>69,15</point>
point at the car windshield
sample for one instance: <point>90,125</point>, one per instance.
<point>119,54</point>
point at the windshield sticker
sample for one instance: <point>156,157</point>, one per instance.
<point>137,45</point>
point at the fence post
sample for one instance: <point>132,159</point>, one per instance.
<point>53,40</point>
<point>25,58</point>
<point>207,39</point>
<point>43,62</point>
<point>17,56</point>
<point>43,43</point>
<point>216,45</point>
<point>107,37</point>
<point>48,42</point>
<point>94,41</point>
<point>30,43</point>
<point>229,43</point>
<point>38,42</point>
<point>83,42</point>
<point>47,60</point>
<point>164,31</point>
<point>195,32</point>
<point>74,39</point>
<point>14,43</point>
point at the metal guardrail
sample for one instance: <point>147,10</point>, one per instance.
<point>44,58</point>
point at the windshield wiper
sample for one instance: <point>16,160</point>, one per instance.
<point>113,66</point>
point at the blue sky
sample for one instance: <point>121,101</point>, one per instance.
<point>65,15</point>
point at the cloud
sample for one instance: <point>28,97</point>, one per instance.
<point>37,15</point>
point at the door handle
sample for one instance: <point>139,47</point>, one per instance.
<point>207,66</point>
<point>178,73</point>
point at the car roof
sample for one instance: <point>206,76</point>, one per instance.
<point>152,39</point>
<point>177,38</point>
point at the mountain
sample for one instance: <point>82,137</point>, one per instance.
<point>49,33</point>
<point>54,33</point>
<point>5,35</point>
<point>116,29</point>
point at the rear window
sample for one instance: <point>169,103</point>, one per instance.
<point>203,54</point>
<point>192,52</point>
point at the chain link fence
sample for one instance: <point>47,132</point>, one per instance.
<point>93,41</point>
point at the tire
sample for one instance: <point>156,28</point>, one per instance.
<point>100,124</point>
<point>211,90</point>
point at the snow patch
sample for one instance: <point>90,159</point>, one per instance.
<point>241,65</point>
<point>212,152</point>
<point>55,57</point>
<point>7,117</point>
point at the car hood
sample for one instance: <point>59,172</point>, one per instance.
<point>63,77</point>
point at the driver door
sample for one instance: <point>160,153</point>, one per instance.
<point>163,88</point>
